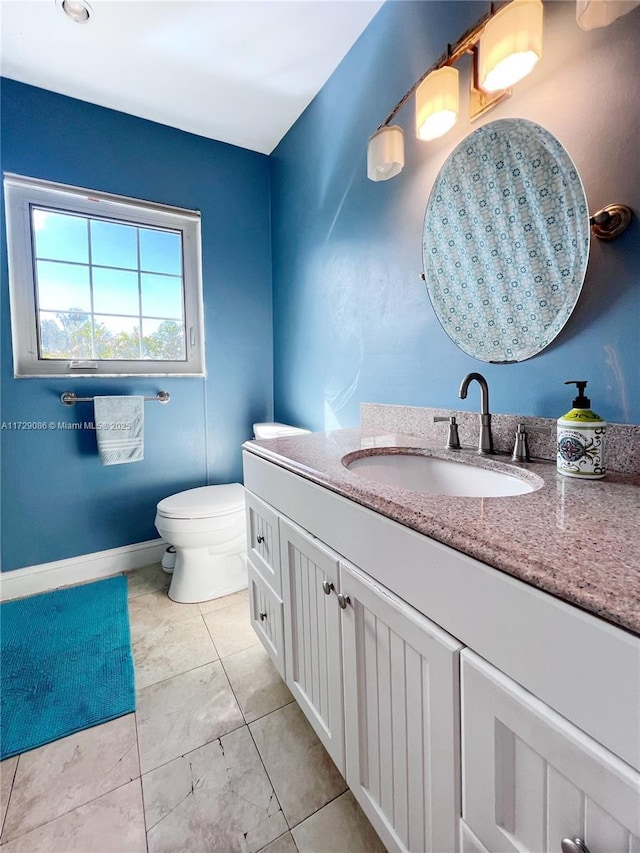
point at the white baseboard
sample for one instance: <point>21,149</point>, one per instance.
<point>87,567</point>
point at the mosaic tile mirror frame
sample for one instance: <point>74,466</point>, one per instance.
<point>506,241</point>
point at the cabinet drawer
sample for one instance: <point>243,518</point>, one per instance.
<point>267,617</point>
<point>530,778</point>
<point>263,542</point>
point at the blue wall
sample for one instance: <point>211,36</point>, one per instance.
<point>352,321</point>
<point>58,501</point>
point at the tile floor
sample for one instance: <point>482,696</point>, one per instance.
<point>217,756</point>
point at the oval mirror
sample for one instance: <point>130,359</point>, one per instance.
<point>506,241</point>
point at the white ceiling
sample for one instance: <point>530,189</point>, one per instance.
<point>239,71</point>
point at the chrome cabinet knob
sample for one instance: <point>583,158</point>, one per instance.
<point>262,616</point>
<point>327,587</point>
<point>573,845</point>
<point>260,539</point>
<point>343,600</point>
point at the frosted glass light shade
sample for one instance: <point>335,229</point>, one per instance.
<point>385,153</point>
<point>437,103</point>
<point>510,45</point>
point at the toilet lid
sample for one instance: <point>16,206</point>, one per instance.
<point>204,502</point>
<point>276,430</point>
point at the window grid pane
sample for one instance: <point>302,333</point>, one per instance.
<point>107,332</point>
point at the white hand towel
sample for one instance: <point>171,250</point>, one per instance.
<point>119,423</point>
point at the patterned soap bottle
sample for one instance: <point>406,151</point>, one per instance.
<point>581,435</point>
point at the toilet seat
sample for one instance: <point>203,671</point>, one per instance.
<point>203,502</point>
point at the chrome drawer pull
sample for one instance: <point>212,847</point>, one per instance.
<point>343,600</point>
<point>260,539</point>
<point>327,587</point>
<point>262,616</point>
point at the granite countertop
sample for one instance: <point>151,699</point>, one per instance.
<point>577,540</point>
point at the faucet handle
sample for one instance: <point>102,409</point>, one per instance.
<point>521,448</point>
<point>453,439</point>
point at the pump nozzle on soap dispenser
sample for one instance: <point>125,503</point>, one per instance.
<point>581,438</point>
<point>581,401</point>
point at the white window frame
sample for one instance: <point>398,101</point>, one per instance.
<point>21,193</point>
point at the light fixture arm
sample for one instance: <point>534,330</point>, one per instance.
<point>465,44</point>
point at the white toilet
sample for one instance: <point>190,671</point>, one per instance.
<point>206,527</point>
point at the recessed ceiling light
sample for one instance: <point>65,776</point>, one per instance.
<point>77,11</point>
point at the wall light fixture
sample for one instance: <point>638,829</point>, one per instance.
<point>505,45</point>
<point>510,45</point>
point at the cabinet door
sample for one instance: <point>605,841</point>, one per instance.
<point>263,544</point>
<point>312,634</point>
<point>267,617</point>
<point>531,778</point>
<point>401,678</point>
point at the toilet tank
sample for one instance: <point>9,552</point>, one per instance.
<point>276,430</point>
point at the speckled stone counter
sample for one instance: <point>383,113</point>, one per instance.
<point>579,541</point>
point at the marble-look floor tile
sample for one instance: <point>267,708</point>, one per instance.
<point>225,601</point>
<point>256,682</point>
<point>171,648</point>
<point>216,798</point>
<point>60,776</point>
<point>339,827</point>
<point>154,608</point>
<point>184,712</point>
<point>7,773</point>
<point>147,579</point>
<point>113,823</point>
<point>230,628</point>
<point>302,773</point>
<point>284,844</point>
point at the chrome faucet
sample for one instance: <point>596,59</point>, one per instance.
<point>485,442</point>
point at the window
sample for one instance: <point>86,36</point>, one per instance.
<point>101,284</point>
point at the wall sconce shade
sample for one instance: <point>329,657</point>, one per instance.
<point>437,103</point>
<point>510,45</point>
<point>385,153</point>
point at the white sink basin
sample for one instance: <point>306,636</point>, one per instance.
<point>438,476</point>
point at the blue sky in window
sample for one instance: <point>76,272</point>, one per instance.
<point>114,245</point>
<point>115,291</point>
<point>62,286</point>
<point>59,237</point>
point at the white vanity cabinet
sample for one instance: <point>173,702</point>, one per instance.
<point>530,778</point>
<point>401,717</point>
<point>534,737</point>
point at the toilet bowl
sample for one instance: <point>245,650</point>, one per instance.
<point>207,528</point>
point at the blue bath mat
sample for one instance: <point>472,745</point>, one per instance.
<point>65,663</point>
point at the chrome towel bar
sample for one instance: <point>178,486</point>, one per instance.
<point>70,399</point>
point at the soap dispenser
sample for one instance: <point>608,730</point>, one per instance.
<point>581,436</point>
